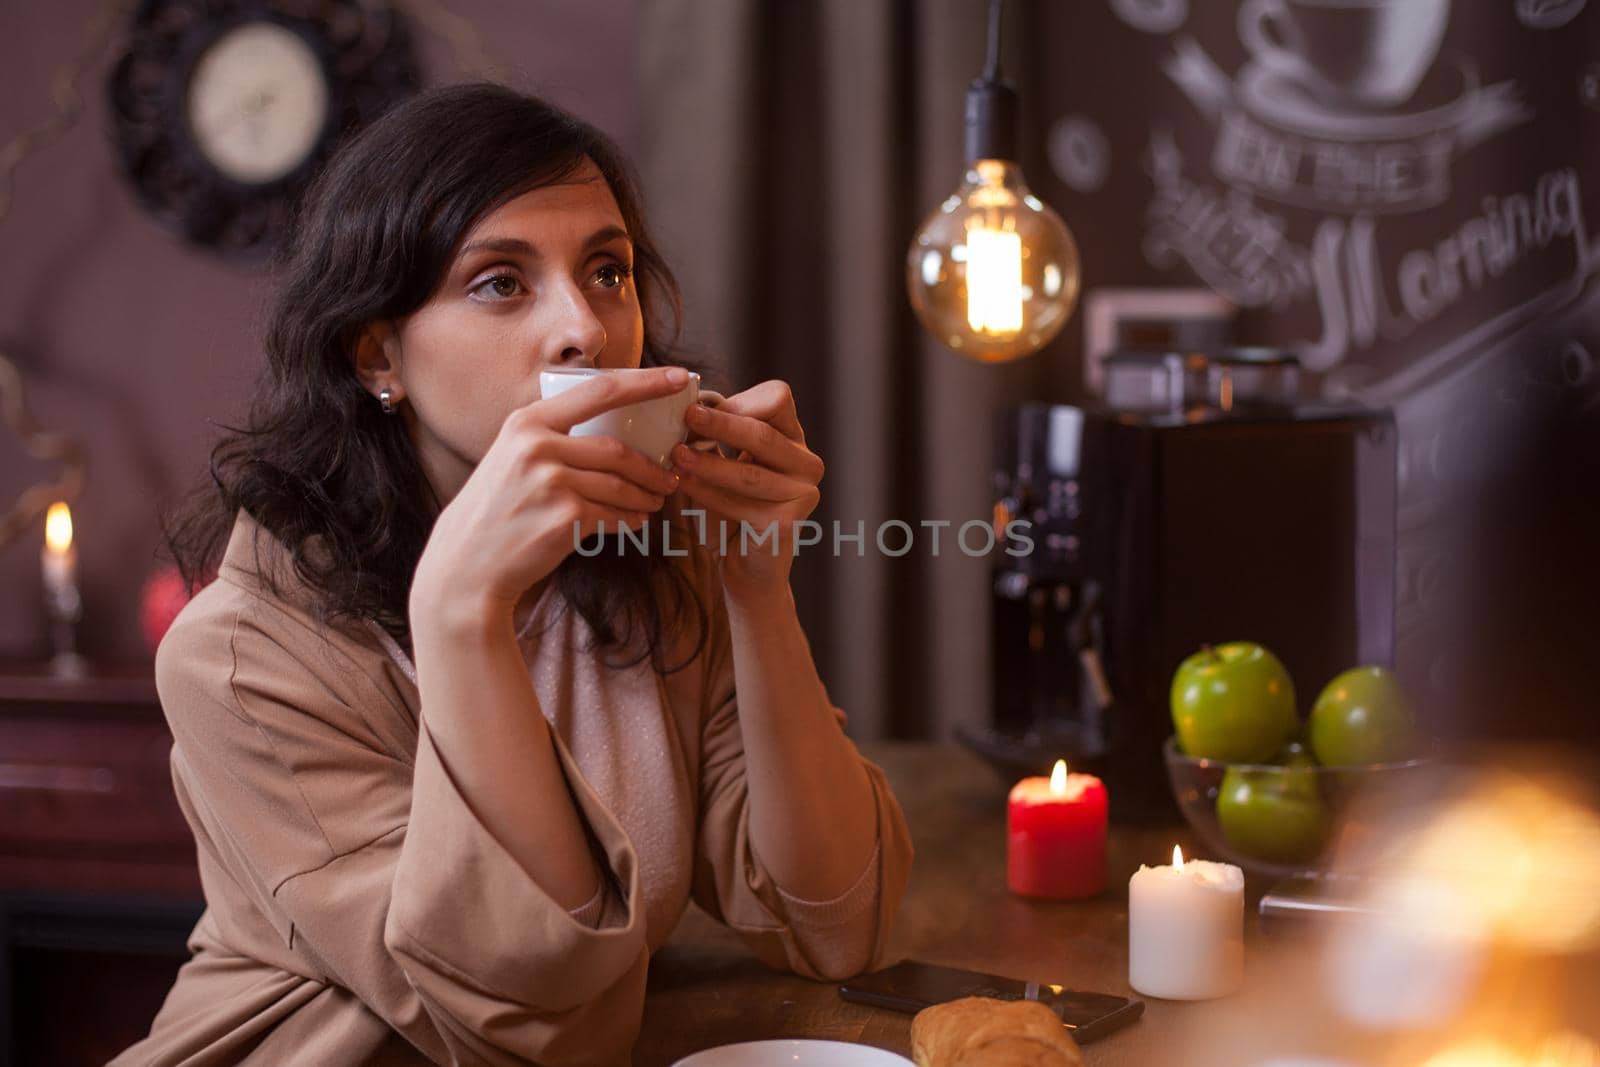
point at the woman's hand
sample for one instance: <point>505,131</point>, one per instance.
<point>534,496</point>
<point>774,481</point>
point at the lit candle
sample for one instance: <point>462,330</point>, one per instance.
<point>1186,929</point>
<point>60,561</point>
<point>1056,836</point>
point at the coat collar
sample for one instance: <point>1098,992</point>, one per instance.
<point>260,564</point>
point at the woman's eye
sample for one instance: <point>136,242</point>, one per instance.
<point>613,275</point>
<point>497,287</point>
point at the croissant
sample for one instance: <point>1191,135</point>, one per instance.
<point>985,1032</point>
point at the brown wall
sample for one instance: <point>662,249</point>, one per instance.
<point>135,341</point>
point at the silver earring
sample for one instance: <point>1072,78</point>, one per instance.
<point>386,400</point>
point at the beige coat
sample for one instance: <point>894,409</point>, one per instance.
<point>358,912</point>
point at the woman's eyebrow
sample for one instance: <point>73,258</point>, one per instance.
<point>510,246</point>
<point>604,234</point>
<point>516,246</point>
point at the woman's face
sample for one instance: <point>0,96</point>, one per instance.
<point>544,280</point>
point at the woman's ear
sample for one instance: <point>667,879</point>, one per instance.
<point>377,359</point>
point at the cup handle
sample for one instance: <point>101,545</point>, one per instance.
<point>710,398</point>
<point>1265,29</point>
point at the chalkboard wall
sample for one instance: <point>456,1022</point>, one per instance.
<point>1407,193</point>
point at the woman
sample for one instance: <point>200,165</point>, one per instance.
<point>451,781</point>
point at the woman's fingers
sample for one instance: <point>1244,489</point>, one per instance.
<point>611,455</point>
<point>772,402</point>
<point>744,479</point>
<point>766,445</point>
<point>612,490</point>
<point>721,504</point>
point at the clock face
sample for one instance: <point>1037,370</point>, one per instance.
<point>223,110</point>
<point>258,102</point>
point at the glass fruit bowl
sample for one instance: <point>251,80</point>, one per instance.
<point>1282,820</point>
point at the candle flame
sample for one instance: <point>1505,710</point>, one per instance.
<point>1177,857</point>
<point>1058,778</point>
<point>1558,1050</point>
<point>1517,858</point>
<point>1477,1054</point>
<point>58,527</point>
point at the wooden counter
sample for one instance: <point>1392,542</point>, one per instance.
<point>705,989</point>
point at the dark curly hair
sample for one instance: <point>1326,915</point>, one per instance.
<point>317,463</point>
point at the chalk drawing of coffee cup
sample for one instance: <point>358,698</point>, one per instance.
<point>1348,53</point>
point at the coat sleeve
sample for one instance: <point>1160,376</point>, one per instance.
<point>378,872</point>
<point>826,939</point>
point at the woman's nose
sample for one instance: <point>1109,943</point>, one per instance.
<point>577,335</point>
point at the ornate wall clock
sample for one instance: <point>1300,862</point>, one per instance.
<point>223,110</point>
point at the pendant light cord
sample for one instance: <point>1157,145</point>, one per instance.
<point>991,69</point>
<point>991,111</point>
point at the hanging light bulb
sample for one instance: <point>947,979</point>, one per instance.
<point>993,273</point>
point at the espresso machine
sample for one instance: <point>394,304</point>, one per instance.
<point>1203,501</point>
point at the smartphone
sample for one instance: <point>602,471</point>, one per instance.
<point>911,986</point>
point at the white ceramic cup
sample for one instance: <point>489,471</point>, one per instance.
<point>651,426</point>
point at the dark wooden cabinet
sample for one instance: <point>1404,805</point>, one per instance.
<point>98,884</point>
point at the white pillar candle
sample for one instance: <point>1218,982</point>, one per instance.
<point>1186,929</point>
<point>59,562</point>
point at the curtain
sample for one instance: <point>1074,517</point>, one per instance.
<point>788,153</point>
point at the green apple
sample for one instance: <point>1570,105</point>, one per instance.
<point>1273,815</point>
<point>1362,716</point>
<point>1234,702</point>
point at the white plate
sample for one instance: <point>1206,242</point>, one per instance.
<point>794,1053</point>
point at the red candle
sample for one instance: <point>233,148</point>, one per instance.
<point>1056,836</point>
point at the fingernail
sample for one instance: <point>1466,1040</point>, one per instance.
<point>677,376</point>
<point>696,411</point>
<point>683,454</point>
